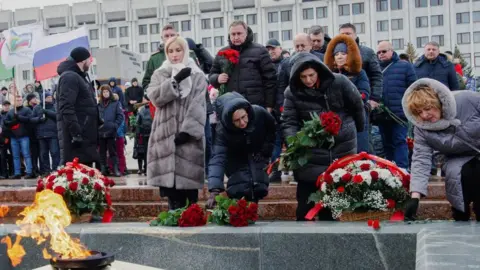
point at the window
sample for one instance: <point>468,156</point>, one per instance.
<point>26,75</point>
<point>252,19</point>
<point>463,17</point>
<point>218,41</point>
<point>436,20</point>
<point>186,25</point>
<point>142,48</point>
<point>466,57</point>
<point>306,30</point>
<point>322,12</point>
<point>397,24</point>
<point>462,1</point>
<point>308,13</point>
<point>217,22</point>
<point>421,3</point>
<point>255,37</point>
<point>476,16</point>
<point>207,42</point>
<point>144,65</point>
<point>94,34</point>
<point>421,41</point>
<point>286,35</point>
<point>396,4</point>
<point>434,3</point>
<point>463,38</point>
<point>238,18</point>
<point>273,34</point>
<point>112,32</point>
<point>358,8</point>
<point>343,10</point>
<point>154,46</point>
<point>175,25</point>
<point>382,5</point>
<point>476,37</point>
<point>286,15</point>
<point>142,30</point>
<point>124,31</point>
<point>325,29</point>
<point>440,39</point>
<point>477,59</point>
<point>382,26</point>
<point>272,17</point>
<point>360,27</point>
<point>422,21</point>
<point>154,28</point>
<point>398,43</point>
<point>206,24</point>
<point>124,46</point>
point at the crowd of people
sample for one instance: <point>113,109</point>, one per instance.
<point>196,121</point>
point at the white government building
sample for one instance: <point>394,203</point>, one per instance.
<point>136,24</point>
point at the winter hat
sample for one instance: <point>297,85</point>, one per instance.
<point>30,97</point>
<point>128,84</point>
<point>191,44</point>
<point>48,94</point>
<point>80,54</point>
<point>340,47</point>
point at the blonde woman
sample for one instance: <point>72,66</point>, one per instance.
<point>449,123</point>
<point>176,144</point>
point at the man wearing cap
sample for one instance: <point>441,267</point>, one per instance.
<point>77,117</point>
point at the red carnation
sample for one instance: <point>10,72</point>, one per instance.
<point>370,222</point>
<point>364,96</point>
<point>69,171</point>
<point>73,186</point>
<point>374,175</point>
<point>406,181</point>
<point>84,171</point>
<point>50,185</point>
<point>69,177</point>
<point>331,122</point>
<point>51,178</point>
<point>328,179</point>
<point>365,167</point>
<point>192,216</point>
<point>232,210</point>
<point>111,182</point>
<point>40,181</point>
<point>91,173</point>
<point>376,224</point>
<point>97,187</point>
<point>60,172</point>
<point>85,181</point>
<point>341,189</point>
<point>242,203</point>
<point>40,187</point>
<point>357,179</point>
<point>59,190</point>
<point>347,177</point>
<point>390,204</point>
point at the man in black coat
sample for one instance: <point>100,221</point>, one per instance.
<point>134,95</point>
<point>254,77</point>
<point>205,59</point>
<point>314,88</point>
<point>77,117</point>
<point>242,149</point>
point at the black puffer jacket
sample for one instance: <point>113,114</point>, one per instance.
<point>241,154</point>
<point>19,122</point>
<point>254,77</point>
<point>205,59</point>
<point>336,93</point>
<point>134,93</point>
<point>110,112</point>
<point>372,67</point>
<point>47,129</point>
<point>77,114</point>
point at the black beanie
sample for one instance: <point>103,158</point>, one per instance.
<point>30,97</point>
<point>80,54</point>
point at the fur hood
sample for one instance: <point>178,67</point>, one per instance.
<point>354,58</point>
<point>449,106</point>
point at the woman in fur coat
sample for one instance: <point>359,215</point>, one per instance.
<point>176,145</point>
<point>343,56</point>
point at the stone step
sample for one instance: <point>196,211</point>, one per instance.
<point>268,210</point>
<point>151,194</point>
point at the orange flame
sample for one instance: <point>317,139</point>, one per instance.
<point>15,252</point>
<point>3,210</point>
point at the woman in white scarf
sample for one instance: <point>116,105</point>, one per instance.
<point>176,145</point>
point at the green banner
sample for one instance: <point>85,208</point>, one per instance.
<point>5,73</point>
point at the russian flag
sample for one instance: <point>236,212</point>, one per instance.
<point>54,49</point>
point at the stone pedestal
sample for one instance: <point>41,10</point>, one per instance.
<point>117,265</point>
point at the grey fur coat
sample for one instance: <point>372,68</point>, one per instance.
<point>460,118</point>
<point>169,165</point>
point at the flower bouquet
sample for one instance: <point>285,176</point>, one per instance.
<point>361,187</point>
<point>238,213</point>
<point>188,216</point>
<point>85,190</point>
<point>228,59</point>
<point>315,133</point>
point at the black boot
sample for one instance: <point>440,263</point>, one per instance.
<point>116,171</point>
<point>104,170</point>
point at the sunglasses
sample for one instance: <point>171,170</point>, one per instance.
<point>382,52</point>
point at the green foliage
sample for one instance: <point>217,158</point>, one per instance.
<point>169,218</point>
<point>467,69</point>
<point>411,52</point>
<point>220,215</point>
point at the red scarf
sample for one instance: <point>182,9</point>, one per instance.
<point>152,109</point>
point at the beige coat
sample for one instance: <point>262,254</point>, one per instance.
<point>170,165</point>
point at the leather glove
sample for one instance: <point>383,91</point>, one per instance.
<point>211,202</point>
<point>183,74</point>
<point>181,138</point>
<point>411,208</point>
<point>77,141</point>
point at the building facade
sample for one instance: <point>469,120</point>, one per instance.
<point>136,24</point>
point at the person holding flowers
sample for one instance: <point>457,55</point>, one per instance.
<point>315,89</point>
<point>176,144</point>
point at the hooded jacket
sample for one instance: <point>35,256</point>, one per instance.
<point>234,149</point>
<point>336,93</point>
<point>111,113</point>
<point>117,90</point>
<point>372,68</point>
<point>460,118</point>
<point>439,69</point>
<point>133,93</point>
<point>254,77</point>
<point>77,114</point>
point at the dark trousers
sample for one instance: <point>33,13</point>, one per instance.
<point>208,144</point>
<point>394,138</point>
<point>304,190</point>
<point>471,191</point>
<point>35,155</point>
<point>107,144</point>
<point>3,161</point>
<point>177,198</point>
<point>142,158</point>
<point>49,147</point>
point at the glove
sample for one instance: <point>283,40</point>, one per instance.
<point>43,119</point>
<point>77,141</point>
<point>181,138</point>
<point>211,202</point>
<point>411,209</point>
<point>183,74</point>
